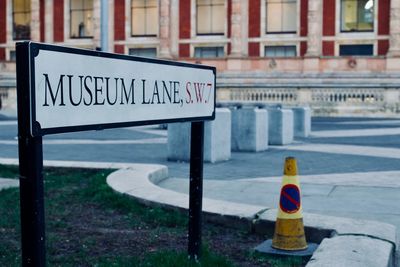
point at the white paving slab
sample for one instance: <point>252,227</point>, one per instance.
<point>373,179</point>
<point>358,132</point>
<point>370,122</point>
<point>93,142</point>
<point>372,151</point>
<point>351,251</point>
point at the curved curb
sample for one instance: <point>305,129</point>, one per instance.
<point>142,186</point>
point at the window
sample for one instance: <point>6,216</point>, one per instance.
<point>21,19</point>
<point>81,14</point>
<point>143,52</point>
<point>357,15</point>
<point>144,17</point>
<point>209,52</point>
<point>210,17</point>
<point>280,51</point>
<point>13,56</point>
<point>356,50</point>
<point>281,16</point>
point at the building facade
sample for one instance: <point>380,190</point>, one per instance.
<point>332,54</point>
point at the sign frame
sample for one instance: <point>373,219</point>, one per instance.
<point>30,148</point>
<point>36,129</point>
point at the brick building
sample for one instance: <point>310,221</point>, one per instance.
<point>336,53</point>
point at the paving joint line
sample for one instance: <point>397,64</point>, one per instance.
<point>369,236</point>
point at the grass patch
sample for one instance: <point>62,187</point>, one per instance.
<point>8,171</point>
<point>88,224</point>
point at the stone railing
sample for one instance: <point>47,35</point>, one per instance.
<point>357,96</point>
<point>323,101</point>
<point>326,94</point>
<point>265,95</point>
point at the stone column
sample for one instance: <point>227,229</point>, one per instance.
<point>174,28</point>
<point>314,28</point>
<point>394,41</point>
<point>164,24</point>
<point>110,26</point>
<point>239,26</point>
<point>9,21</point>
<point>48,19</point>
<point>35,20</point>
<point>96,23</point>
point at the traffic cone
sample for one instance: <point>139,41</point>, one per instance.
<point>289,227</point>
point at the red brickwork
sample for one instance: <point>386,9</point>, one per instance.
<point>119,49</point>
<point>254,49</point>
<point>2,53</point>
<point>184,19</point>
<point>254,19</point>
<point>383,47</point>
<point>228,21</point>
<point>328,21</point>
<point>3,16</point>
<point>184,50</point>
<point>42,22</point>
<point>383,17</point>
<point>328,48</point>
<point>303,48</point>
<point>119,20</point>
<point>303,17</point>
<point>58,18</point>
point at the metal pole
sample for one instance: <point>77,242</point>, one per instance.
<point>31,201</point>
<point>196,189</point>
<point>30,169</point>
<point>104,25</point>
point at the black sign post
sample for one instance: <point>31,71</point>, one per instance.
<point>196,189</point>
<point>31,171</point>
<point>179,92</point>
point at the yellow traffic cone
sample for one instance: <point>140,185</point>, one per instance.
<point>289,227</point>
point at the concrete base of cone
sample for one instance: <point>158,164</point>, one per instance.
<point>266,247</point>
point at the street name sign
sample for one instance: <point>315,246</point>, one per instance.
<point>62,89</point>
<point>75,89</point>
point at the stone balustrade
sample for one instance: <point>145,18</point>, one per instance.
<point>323,101</point>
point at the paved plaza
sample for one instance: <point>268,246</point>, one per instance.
<point>349,167</point>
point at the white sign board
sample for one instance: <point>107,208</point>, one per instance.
<point>76,89</point>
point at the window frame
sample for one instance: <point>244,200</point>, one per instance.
<point>209,46</point>
<point>70,20</point>
<point>363,44</point>
<point>356,31</point>
<point>13,12</point>
<point>145,8</point>
<point>197,19</point>
<point>296,4</point>
<point>145,48</point>
<point>281,46</point>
